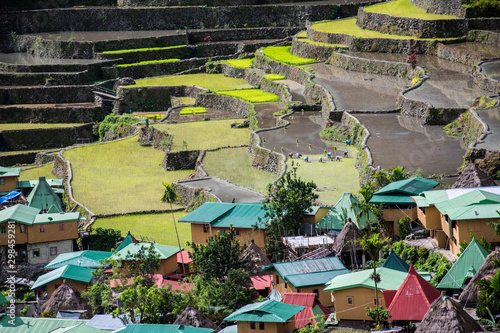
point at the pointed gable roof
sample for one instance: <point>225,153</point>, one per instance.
<point>129,239</point>
<point>267,311</point>
<point>341,212</point>
<point>313,308</point>
<point>413,298</point>
<point>400,192</point>
<point>466,266</point>
<point>43,197</point>
<point>393,261</point>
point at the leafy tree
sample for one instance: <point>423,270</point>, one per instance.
<point>379,314</point>
<point>144,263</point>
<point>170,196</point>
<point>287,201</point>
<point>218,257</point>
<point>404,227</point>
<point>482,242</point>
<point>372,246</point>
<point>368,211</point>
<point>100,298</point>
<point>387,176</point>
<point>104,239</point>
<point>489,296</point>
<point>319,327</point>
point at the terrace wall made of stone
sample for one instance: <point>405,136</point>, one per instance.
<point>71,114</point>
<point>440,7</point>
<point>154,98</point>
<point>46,95</point>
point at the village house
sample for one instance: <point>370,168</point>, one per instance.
<point>247,220</point>
<point>269,316</point>
<point>78,277</point>
<point>312,314</point>
<point>312,216</point>
<point>8,179</point>
<point>307,276</point>
<point>87,258</point>
<point>451,215</point>
<point>43,197</point>
<point>396,202</point>
<point>39,238</point>
<point>167,255</point>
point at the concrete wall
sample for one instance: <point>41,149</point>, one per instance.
<point>63,246</point>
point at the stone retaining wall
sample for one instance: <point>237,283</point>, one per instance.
<point>154,98</point>
<point>239,34</point>
<point>39,79</point>
<point>440,7</point>
<point>462,56</point>
<point>43,138</point>
<point>152,137</point>
<point>406,26</point>
<point>70,114</point>
<point>263,158</point>
<point>182,52</point>
<point>329,38</point>
<point>180,160</point>
<point>214,3</point>
<point>46,95</point>
<point>17,159</point>
<point>186,195</point>
<point>484,82</point>
<point>307,50</point>
<point>222,102</point>
<point>484,37</point>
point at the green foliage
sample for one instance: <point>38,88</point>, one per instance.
<point>100,297</point>
<point>25,310</point>
<point>104,239</point>
<point>283,54</point>
<point>489,297</point>
<point>287,201</point>
<point>483,8</point>
<point>319,327</point>
<point>143,49</point>
<point>404,226</point>
<point>29,296</point>
<point>213,82</point>
<point>378,314</point>
<point>274,77</point>
<point>251,95</point>
<point>386,176</point>
<point>149,62</point>
<point>48,314</point>
<point>164,144</point>
<point>191,110</point>
<point>144,263</point>
<point>221,254</point>
<point>112,122</point>
<point>240,63</point>
<point>404,8</point>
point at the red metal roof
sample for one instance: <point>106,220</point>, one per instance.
<point>308,300</point>
<point>159,281</point>
<point>413,298</point>
<point>183,255</point>
<point>179,286</point>
<point>389,296</point>
<point>262,282</point>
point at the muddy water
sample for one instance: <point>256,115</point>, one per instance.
<point>491,69</point>
<point>359,91</point>
<point>484,50</point>
<point>264,113</point>
<point>296,90</point>
<point>492,118</point>
<point>100,36</point>
<point>399,140</point>
<point>26,59</point>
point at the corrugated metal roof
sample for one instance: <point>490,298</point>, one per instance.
<point>208,212</point>
<point>305,316</point>
<point>183,257</point>
<point>344,208</point>
<point>129,239</point>
<point>262,282</point>
<point>42,196</point>
<point>411,186</point>
<point>19,213</point>
<point>392,199</point>
<point>302,241</point>
<point>80,258</point>
<point>472,258</point>
<point>311,211</point>
<point>275,295</point>
<point>33,183</point>
<point>267,311</point>
<point>9,172</point>
<point>159,328</point>
<point>431,198</point>
<point>413,298</point>
<point>82,328</point>
<point>56,218</point>
<point>389,279</point>
<point>68,272</point>
<point>105,322</point>
<point>476,204</point>
<point>393,261</point>
<point>230,329</point>
<point>315,278</point>
<point>164,251</point>
<point>37,325</point>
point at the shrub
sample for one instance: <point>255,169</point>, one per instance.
<point>30,296</point>
<point>112,122</point>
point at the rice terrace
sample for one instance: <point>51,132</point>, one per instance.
<point>223,98</point>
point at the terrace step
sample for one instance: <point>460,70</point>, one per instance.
<point>46,95</point>
<point>35,79</point>
<point>51,113</point>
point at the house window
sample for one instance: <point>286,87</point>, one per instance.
<point>42,227</point>
<point>261,325</point>
<point>61,226</point>
<point>53,251</point>
<point>252,325</point>
<point>36,252</point>
<point>350,300</point>
<point>3,229</point>
<point>2,181</point>
<point>374,301</point>
<point>205,228</point>
<point>237,232</point>
<point>277,279</point>
<point>316,291</point>
<point>286,285</point>
<point>21,227</point>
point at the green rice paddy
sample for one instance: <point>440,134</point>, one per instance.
<point>282,54</point>
<point>187,100</point>
<point>205,134</point>
<point>331,178</point>
<point>349,27</point>
<point>308,41</point>
<point>213,82</point>
<point>192,110</point>
<point>35,173</point>
<point>251,95</point>
<point>150,62</point>
<point>120,176</point>
<point>143,49</point>
<point>157,226</point>
<point>239,63</point>
<point>235,166</point>
<point>274,77</point>
<point>404,8</point>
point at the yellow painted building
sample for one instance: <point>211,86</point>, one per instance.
<point>77,276</point>
<point>8,178</point>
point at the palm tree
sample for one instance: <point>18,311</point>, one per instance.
<point>170,195</point>
<point>372,246</point>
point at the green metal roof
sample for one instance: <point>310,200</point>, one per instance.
<point>343,209</point>
<point>475,204</point>
<point>267,311</point>
<point>82,328</point>
<point>68,272</point>
<point>164,251</point>
<point>9,172</point>
<point>3,300</point>
<point>56,218</point>
<point>80,258</point>
<point>392,200</point>
<point>311,272</point>
<point>469,262</point>
<point>312,210</point>
<point>389,279</point>
<point>19,213</point>
<point>393,261</point>
<point>43,196</point>
<point>224,215</point>
<point>411,186</point>
<point>159,328</point>
<point>126,241</point>
<point>33,183</point>
<point>43,325</point>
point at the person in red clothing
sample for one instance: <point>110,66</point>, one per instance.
<point>412,59</point>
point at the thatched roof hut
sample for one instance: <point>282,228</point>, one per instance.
<point>350,232</point>
<point>471,292</point>
<point>192,317</point>
<point>256,259</point>
<point>472,176</point>
<point>66,297</point>
<point>447,316</point>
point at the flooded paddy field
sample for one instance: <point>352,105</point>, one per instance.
<point>492,118</point>
<point>102,36</point>
<point>491,69</point>
<point>27,59</point>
